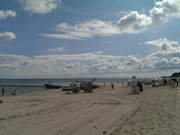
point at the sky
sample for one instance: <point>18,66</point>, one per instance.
<point>89,38</point>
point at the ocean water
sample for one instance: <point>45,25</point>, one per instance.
<point>24,86</point>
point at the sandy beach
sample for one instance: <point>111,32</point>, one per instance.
<point>106,111</point>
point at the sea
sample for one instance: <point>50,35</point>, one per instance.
<point>25,86</point>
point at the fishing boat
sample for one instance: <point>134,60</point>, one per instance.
<point>50,86</point>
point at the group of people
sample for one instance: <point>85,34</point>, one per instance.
<point>14,92</point>
<point>135,85</point>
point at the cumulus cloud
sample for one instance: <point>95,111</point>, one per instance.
<point>7,36</point>
<point>165,47</point>
<point>4,14</point>
<point>166,8</point>
<point>133,22</point>
<point>39,6</point>
<point>166,54</point>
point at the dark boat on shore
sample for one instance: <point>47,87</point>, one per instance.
<point>50,86</point>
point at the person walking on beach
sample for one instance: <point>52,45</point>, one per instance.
<point>112,85</point>
<point>140,86</point>
<point>2,91</point>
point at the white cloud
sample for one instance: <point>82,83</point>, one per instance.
<point>56,50</point>
<point>133,22</point>
<point>83,30</point>
<point>85,64</point>
<point>7,14</point>
<point>61,36</point>
<point>64,65</point>
<point>166,54</point>
<point>169,7</point>
<point>164,9</point>
<point>39,6</point>
<point>7,36</point>
<point>165,47</point>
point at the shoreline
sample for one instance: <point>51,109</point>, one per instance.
<point>23,86</point>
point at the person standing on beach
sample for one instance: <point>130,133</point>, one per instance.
<point>112,85</point>
<point>139,84</point>
<point>2,91</point>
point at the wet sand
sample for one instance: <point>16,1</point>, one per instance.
<point>106,111</point>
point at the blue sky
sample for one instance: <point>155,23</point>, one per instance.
<point>82,38</point>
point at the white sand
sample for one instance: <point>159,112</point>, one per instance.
<point>158,114</point>
<point>113,112</point>
<point>54,113</point>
